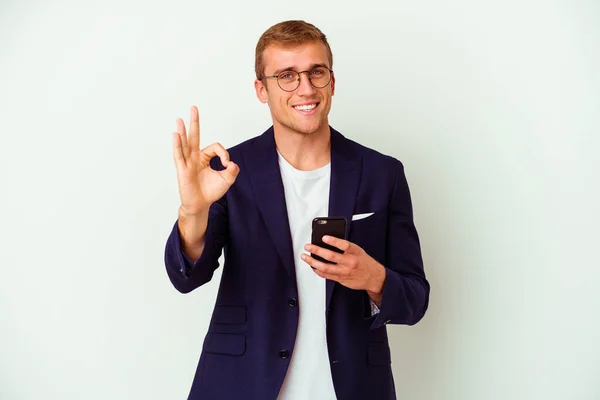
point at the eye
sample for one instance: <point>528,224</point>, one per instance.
<point>318,72</point>
<point>287,75</point>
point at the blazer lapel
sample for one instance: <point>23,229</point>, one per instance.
<point>346,165</point>
<point>265,177</point>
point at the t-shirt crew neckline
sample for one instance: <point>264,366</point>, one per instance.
<point>299,174</point>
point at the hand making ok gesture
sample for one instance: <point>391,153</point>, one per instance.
<point>199,184</point>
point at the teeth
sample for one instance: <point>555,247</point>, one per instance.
<point>306,107</point>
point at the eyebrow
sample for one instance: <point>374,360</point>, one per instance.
<point>293,68</point>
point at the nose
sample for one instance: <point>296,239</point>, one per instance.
<point>305,87</point>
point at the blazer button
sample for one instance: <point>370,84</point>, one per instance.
<point>293,302</point>
<point>284,354</point>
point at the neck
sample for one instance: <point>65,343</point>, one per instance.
<point>305,152</point>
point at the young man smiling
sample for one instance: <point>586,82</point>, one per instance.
<point>281,329</point>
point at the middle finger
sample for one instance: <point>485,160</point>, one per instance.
<point>325,253</point>
<point>194,129</point>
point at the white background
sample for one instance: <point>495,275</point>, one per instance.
<point>494,108</point>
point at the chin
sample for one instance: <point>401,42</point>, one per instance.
<point>308,129</point>
<point>302,127</point>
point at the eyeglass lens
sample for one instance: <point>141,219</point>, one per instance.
<point>289,80</point>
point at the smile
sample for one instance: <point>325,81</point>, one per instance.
<point>306,109</point>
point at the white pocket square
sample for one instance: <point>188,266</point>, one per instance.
<point>356,217</point>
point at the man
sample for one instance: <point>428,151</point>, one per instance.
<point>281,329</point>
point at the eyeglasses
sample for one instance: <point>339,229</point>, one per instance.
<point>289,80</point>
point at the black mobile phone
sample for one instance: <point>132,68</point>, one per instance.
<point>331,226</point>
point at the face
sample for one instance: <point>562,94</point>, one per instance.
<point>291,111</point>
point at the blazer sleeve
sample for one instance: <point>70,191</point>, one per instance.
<point>406,290</point>
<point>186,275</point>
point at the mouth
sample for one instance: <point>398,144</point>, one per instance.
<point>307,108</point>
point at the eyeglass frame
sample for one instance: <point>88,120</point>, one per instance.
<point>299,75</point>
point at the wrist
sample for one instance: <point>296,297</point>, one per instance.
<point>192,230</point>
<point>196,213</point>
<point>376,286</point>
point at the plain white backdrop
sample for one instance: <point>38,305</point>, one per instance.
<point>493,107</point>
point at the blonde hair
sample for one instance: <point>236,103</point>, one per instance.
<point>288,34</point>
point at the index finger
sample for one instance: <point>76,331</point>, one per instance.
<point>194,129</point>
<point>341,244</point>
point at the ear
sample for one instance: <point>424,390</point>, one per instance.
<point>261,91</point>
<point>332,83</point>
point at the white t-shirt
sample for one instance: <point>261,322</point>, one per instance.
<point>309,372</point>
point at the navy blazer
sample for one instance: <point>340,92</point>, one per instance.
<point>251,335</point>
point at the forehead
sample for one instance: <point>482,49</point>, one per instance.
<point>299,57</point>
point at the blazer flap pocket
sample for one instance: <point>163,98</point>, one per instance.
<point>234,315</point>
<point>379,354</point>
<point>225,343</point>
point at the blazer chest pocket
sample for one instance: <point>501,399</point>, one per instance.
<point>369,228</point>
<point>368,218</point>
